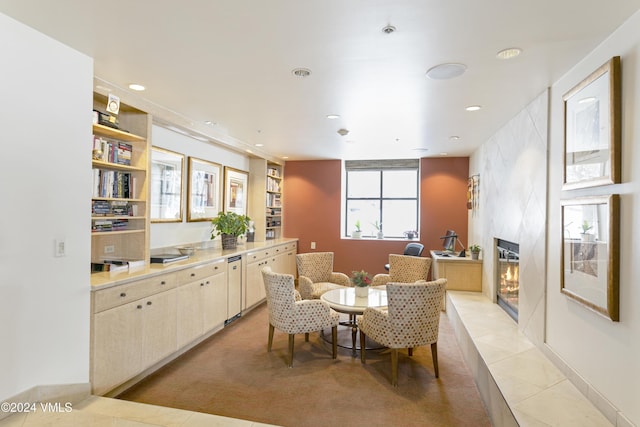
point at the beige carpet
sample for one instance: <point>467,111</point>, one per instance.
<point>232,374</point>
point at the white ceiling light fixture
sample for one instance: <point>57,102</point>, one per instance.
<point>446,71</point>
<point>454,138</point>
<point>136,87</point>
<point>301,72</point>
<point>389,29</point>
<point>333,116</point>
<point>473,108</point>
<point>509,53</point>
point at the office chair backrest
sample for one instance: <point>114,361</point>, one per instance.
<point>414,249</point>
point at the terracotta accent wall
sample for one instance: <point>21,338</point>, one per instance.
<point>311,211</point>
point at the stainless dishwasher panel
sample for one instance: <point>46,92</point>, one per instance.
<point>234,288</point>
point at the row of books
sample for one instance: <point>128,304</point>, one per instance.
<point>104,225</point>
<point>274,200</point>
<point>115,184</point>
<point>273,172</point>
<point>273,185</point>
<point>111,151</point>
<point>117,265</point>
<point>112,208</point>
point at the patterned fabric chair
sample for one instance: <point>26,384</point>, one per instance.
<point>412,319</point>
<point>316,275</point>
<point>290,314</point>
<point>413,249</point>
<point>404,269</point>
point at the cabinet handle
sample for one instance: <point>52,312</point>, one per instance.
<point>193,274</point>
<point>235,267</point>
<point>201,283</point>
<point>149,302</point>
<point>163,283</point>
<point>123,294</point>
<point>215,268</point>
<point>139,307</point>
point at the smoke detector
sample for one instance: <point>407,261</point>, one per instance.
<point>343,132</point>
<point>301,72</point>
<point>389,29</point>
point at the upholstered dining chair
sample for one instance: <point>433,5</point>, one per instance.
<point>316,275</point>
<point>404,269</point>
<point>412,319</point>
<point>413,249</point>
<point>292,315</point>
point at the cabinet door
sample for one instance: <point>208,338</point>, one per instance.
<point>234,289</point>
<point>117,346</point>
<point>214,301</point>
<point>255,285</point>
<point>159,337</point>
<point>189,312</point>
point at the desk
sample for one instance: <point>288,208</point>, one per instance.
<point>462,273</point>
<point>344,300</point>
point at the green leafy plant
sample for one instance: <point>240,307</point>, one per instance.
<point>229,223</point>
<point>360,278</point>
<point>475,248</point>
<point>586,227</point>
<point>377,225</point>
<point>358,225</point>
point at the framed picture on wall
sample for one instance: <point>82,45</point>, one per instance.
<point>204,190</point>
<point>166,185</point>
<point>590,253</point>
<point>592,129</point>
<point>235,190</point>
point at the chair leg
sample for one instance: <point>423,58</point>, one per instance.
<point>306,336</point>
<point>410,351</point>
<point>334,341</point>
<point>434,356</point>
<point>363,347</point>
<point>394,367</point>
<point>270,342</point>
<point>291,336</point>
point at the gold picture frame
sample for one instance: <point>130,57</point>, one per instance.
<point>167,172</point>
<point>236,187</point>
<point>591,253</point>
<point>592,129</point>
<point>203,194</point>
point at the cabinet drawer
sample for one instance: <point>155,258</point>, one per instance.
<point>118,295</point>
<point>259,255</point>
<point>283,249</point>
<point>201,271</point>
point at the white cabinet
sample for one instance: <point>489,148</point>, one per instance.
<point>281,259</point>
<point>130,337</point>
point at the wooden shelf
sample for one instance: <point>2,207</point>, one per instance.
<point>117,134</point>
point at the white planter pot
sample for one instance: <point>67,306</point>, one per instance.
<point>362,291</point>
<point>380,235</point>
<point>356,234</point>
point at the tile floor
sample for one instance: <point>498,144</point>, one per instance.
<point>102,411</point>
<point>517,382</point>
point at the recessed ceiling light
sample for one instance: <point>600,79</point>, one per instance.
<point>135,86</point>
<point>210,123</point>
<point>389,29</point>
<point>446,71</point>
<point>509,53</point>
<point>333,116</point>
<point>285,157</point>
<point>259,145</point>
<point>473,107</point>
<point>454,138</point>
<point>301,72</point>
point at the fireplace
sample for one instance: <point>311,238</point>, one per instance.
<point>507,276</point>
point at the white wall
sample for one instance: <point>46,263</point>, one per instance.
<point>176,233</point>
<point>604,354</point>
<point>45,190</point>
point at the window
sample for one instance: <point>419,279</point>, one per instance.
<point>382,192</point>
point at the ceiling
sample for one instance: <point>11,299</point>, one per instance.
<point>230,62</point>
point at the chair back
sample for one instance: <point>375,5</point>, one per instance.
<point>413,249</point>
<point>317,266</point>
<point>408,269</point>
<point>281,299</point>
<point>414,311</point>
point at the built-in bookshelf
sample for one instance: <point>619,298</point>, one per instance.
<point>119,208</point>
<point>266,201</point>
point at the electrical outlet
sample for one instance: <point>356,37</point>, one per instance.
<point>109,249</point>
<point>60,249</point>
<point>313,245</point>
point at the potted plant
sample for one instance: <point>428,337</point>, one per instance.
<point>361,280</point>
<point>357,233</point>
<point>475,251</point>
<point>378,226</point>
<point>586,236</point>
<point>230,225</point>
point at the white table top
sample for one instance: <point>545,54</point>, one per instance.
<point>345,300</point>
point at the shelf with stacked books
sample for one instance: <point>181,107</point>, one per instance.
<point>120,161</point>
<point>265,203</point>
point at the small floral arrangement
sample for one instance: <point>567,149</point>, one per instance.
<point>360,278</point>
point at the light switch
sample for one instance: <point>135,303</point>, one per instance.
<point>313,245</point>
